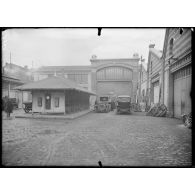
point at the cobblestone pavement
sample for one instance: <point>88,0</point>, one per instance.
<point>116,140</point>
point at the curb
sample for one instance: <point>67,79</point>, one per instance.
<point>53,116</point>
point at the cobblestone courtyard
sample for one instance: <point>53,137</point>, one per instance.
<point>116,140</point>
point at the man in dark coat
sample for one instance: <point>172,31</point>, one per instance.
<point>8,107</point>
<point>112,105</point>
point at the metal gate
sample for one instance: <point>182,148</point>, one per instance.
<point>182,89</point>
<point>118,88</point>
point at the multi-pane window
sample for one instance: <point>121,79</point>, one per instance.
<point>57,101</point>
<point>39,101</point>
<point>114,73</point>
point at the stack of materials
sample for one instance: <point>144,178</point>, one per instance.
<point>158,110</point>
<point>187,120</point>
<point>147,108</point>
<point>136,107</point>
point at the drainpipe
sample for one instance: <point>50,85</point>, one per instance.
<point>140,81</point>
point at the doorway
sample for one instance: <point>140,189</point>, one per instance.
<point>48,101</point>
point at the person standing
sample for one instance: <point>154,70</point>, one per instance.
<point>8,107</point>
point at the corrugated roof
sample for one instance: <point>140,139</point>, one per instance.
<point>53,83</point>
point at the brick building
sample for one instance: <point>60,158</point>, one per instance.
<point>176,69</point>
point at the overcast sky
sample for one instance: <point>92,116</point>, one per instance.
<point>66,47</point>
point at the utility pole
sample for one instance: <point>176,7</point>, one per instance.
<point>140,80</point>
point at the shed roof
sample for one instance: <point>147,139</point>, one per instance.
<point>6,77</point>
<point>53,83</point>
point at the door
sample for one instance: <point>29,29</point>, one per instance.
<point>182,89</point>
<point>156,92</point>
<point>116,87</point>
<point>48,101</point>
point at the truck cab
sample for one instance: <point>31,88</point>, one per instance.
<point>123,104</point>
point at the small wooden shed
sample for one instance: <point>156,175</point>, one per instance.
<point>57,95</point>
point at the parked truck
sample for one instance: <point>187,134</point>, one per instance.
<point>123,104</point>
<point>103,104</point>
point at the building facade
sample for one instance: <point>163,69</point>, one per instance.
<point>19,72</point>
<point>115,76</point>
<point>142,87</point>
<point>177,71</point>
<point>8,85</point>
<point>57,95</point>
<point>15,75</point>
<point>154,70</point>
<point>103,76</point>
<point>79,74</point>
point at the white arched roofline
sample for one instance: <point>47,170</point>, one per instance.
<point>106,65</point>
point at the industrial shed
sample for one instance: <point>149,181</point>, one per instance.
<point>57,95</point>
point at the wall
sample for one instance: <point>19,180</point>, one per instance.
<point>181,43</point>
<point>181,48</point>
<point>144,86</point>
<point>19,72</point>
<point>82,78</point>
<point>154,72</point>
<point>110,80</point>
<point>53,109</point>
<point>118,88</point>
<point>12,93</point>
<point>156,65</point>
<point>166,77</point>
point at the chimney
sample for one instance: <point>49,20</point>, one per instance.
<point>151,45</point>
<point>93,57</point>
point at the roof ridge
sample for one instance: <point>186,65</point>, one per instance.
<point>55,82</point>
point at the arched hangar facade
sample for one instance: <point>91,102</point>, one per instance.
<point>115,76</point>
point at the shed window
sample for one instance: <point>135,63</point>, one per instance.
<point>57,101</point>
<point>39,101</point>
